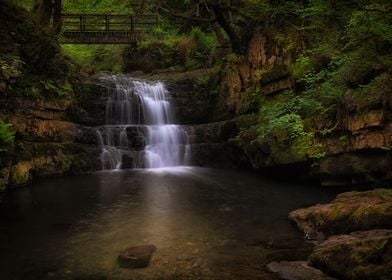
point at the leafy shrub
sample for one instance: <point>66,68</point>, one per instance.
<point>165,48</point>
<point>302,66</point>
<point>206,43</point>
<point>54,88</point>
<point>6,135</point>
<point>282,121</point>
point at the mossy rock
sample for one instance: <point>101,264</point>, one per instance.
<point>21,173</point>
<point>365,255</point>
<point>351,211</point>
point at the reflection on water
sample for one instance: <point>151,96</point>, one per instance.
<point>206,224</point>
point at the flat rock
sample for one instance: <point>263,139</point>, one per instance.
<point>296,270</point>
<point>350,211</point>
<point>364,255</point>
<point>136,257</point>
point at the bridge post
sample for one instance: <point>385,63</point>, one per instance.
<point>82,24</point>
<point>107,26</point>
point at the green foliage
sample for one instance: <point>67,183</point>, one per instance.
<point>6,135</point>
<point>302,66</point>
<point>356,36</point>
<point>282,121</point>
<point>371,24</point>
<point>159,33</point>
<point>170,48</point>
<point>54,88</point>
<point>26,4</point>
<point>96,57</point>
<point>97,6</point>
<point>205,43</point>
<point>207,83</point>
<point>10,66</point>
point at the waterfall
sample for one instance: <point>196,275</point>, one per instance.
<point>140,131</point>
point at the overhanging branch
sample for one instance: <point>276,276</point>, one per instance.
<point>184,16</point>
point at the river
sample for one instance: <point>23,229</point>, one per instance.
<point>206,224</point>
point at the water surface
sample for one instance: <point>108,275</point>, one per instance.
<point>206,224</point>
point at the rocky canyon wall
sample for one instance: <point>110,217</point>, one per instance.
<point>351,145</point>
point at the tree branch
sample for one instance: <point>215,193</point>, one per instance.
<point>184,16</point>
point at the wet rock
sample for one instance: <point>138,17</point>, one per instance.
<point>296,270</point>
<point>217,132</point>
<point>350,211</point>
<point>40,160</point>
<point>127,162</point>
<point>137,138</point>
<point>360,255</point>
<point>90,106</point>
<point>34,129</point>
<point>217,155</point>
<point>87,135</point>
<point>192,104</point>
<point>136,257</point>
<point>356,168</point>
<point>21,173</point>
<point>373,118</point>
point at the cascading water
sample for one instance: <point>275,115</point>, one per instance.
<point>140,130</point>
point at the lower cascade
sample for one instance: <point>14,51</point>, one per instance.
<point>140,130</point>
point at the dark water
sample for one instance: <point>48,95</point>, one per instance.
<point>206,224</point>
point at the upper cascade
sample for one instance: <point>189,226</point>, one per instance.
<point>140,131</point>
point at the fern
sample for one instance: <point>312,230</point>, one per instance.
<point>6,135</point>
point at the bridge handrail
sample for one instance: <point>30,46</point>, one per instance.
<point>123,27</point>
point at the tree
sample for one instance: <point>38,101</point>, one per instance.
<point>48,14</point>
<point>207,11</point>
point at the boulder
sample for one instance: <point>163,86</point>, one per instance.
<point>360,255</point>
<point>296,270</point>
<point>136,257</point>
<point>350,211</point>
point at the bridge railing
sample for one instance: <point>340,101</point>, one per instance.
<point>77,28</point>
<point>106,22</point>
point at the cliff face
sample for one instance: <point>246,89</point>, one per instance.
<point>349,144</point>
<point>47,142</point>
<point>42,97</point>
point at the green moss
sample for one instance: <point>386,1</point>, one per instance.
<point>97,57</point>
<point>382,192</point>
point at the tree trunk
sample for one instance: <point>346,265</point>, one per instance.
<point>221,19</point>
<point>44,11</point>
<point>57,16</point>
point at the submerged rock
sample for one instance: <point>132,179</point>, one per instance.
<point>351,211</point>
<point>136,257</point>
<point>360,255</point>
<point>296,270</point>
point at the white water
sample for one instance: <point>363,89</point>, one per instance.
<point>140,127</point>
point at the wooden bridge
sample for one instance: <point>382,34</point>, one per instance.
<point>105,28</point>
